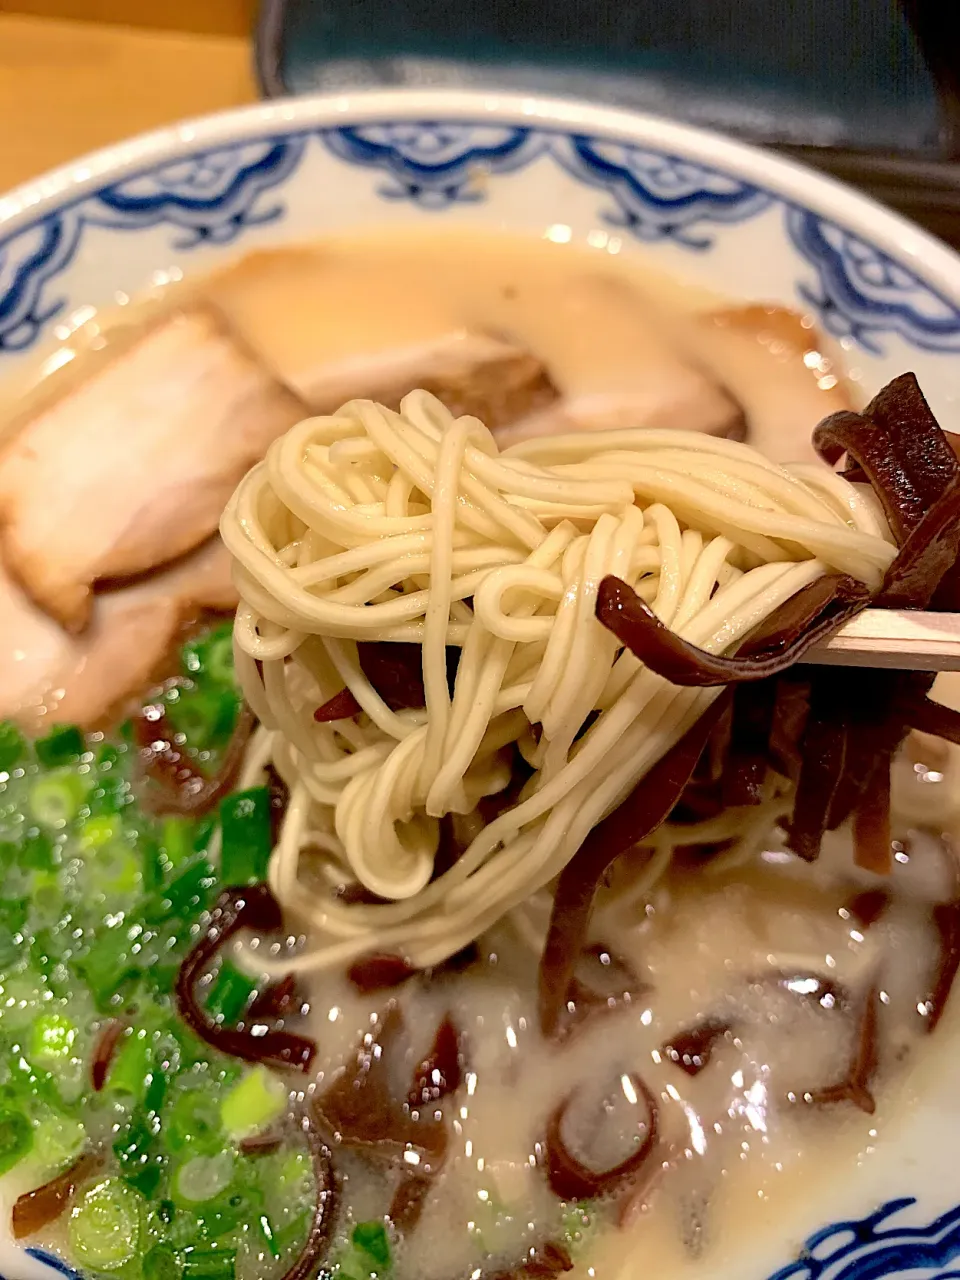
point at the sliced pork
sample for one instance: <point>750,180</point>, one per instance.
<point>48,676</point>
<point>554,351</point>
<point>132,467</point>
<point>778,367</point>
<point>621,368</point>
<point>333,337</point>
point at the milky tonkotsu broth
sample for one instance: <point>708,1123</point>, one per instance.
<point>736,994</point>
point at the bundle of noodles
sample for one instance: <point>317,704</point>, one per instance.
<point>480,671</point>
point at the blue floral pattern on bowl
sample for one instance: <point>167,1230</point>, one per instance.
<point>215,196</point>
<point>212,196</point>
<point>870,1249</point>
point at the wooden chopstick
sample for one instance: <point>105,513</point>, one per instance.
<point>901,638</point>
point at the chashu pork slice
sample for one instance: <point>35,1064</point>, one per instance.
<point>48,676</point>
<point>332,330</point>
<point>780,368</point>
<point>132,467</point>
<point>621,368</point>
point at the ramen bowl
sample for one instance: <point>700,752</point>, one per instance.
<point>726,218</point>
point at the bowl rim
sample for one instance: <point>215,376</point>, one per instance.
<point>786,179</point>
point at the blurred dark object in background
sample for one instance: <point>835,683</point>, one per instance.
<point>867,90</point>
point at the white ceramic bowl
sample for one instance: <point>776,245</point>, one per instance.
<point>724,215</point>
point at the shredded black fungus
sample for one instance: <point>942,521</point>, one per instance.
<point>380,971</point>
<point>571,1179</point>
<point>326,1206</point>
<point>832,732</point>
<point>178,785</point>
<point>547,1260</point>
<point>361,1112</point>
<point>281,999</point>
<point>946,921</point>
<point>692,1048</point>
<point>810,616</point>
<point>35,1210</point>
<point>645,808</point>
<point>866,908</point>
<point>103,1051</point>
<point>342,706</point>
<point>249,908</point>
<point>855,1086</point>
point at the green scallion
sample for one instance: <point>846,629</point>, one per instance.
<point>13,746</point>
<point>246,828</point>
<point>53,1038</point>
<point>209,1264</point>
<point>16,1138</point>
<point>176,840</point>
<point>253,1103</point>
<point>131,1070</point>
<point>162,1263</point>
<point>202,1178</point>
<point>192,1122</point>
<point>57,798</point>
<point>57,1140</point>
<point>185,896</point>
<point>230,994</point>
<point>63,746</point>
<point>106,1225</point>
<point>205,717</point>
<point>211,656</point>
<point>39,852</point>
<point>110,963</point>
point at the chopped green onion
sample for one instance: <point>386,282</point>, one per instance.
<point>230,993</point>
<point>103,829</point>
<point>39,853</point>
<point>247,840</point>
<point>162,1263</point>
<point>22,995</point>
<point>578,1227</point>
<point>110,963</point>
<point>13,746</point>
<point>32,1081</point>
<point>13,919</point>
<point>253,1103</point>
<point>113,870</point>
<point>193,1123</point>
<point>184,896</point>
<point>63,746</point>
<point>52,1039</point>
<point>16,1138</point>
<point>154,864</point>
<point>131,1071</point>
<point>146,1179</point>
<point>106,1225</point>
<point>202,1178</point>
<point>205,717</point>
<point>371,1238</point>
<point>111,793</point>
<point>132,1146</point>
<point>57,1141</point>
<point>212,655</point>
<point>176,839</point>
<point>57,798</point>
<point>46,896</point>
<point>209,1264</point>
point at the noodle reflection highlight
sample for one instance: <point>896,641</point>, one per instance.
<point>375,526</point>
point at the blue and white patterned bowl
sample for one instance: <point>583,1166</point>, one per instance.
<point>721,214</point>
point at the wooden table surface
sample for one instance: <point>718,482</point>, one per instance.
<point>68,87</point>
